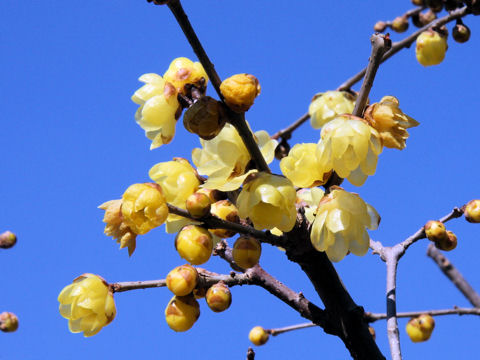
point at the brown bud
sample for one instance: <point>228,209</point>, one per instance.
<point>219,297</point>
<point>400,24</point>
<point>7,240</point>
<point>8,322</point>
<point>380,26</point>
<point>435,5</point>
<point>427,17</point>
<point>418,2</point>
<point>448,243</point>
<point>205,118</point>
<point>460,32</point>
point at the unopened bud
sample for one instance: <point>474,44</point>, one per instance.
<point>448,243</point>
<point>218,297</point>
<point>182,312</point>
<point>420,328</point>
<point>225,210</point>
<point>417,2</point>
<point>198,205</point>
<point>205,118</point>
<point>7,240</point>
<point>213,194</point>
<point>240,91</point>
<point>246,251</point>
<point>435,5</point>
<point>194,244</point>
<point>380,26</point>
<point>472,211</point>
<point>460,32</point>
<point>8,322</point>
<point>400,24</point>
<point>258,336</point>
<point>435,230</point>
<point>427,17</point>
<point>182,280</point>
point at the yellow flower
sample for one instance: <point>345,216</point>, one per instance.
<point>144,207</point>
<point>431,48</point>
<point>350,147</point>
<point>240,91</point>
<point>158,106</point>
<point>390,122</point>
<point>269,201</point>
<point>339,226</point>
<point>309,199</point>
<point>325,107</point>
<point>116,227</point>
<point>178,180</point>
<point>224,159</point>
<point>87,304</point>
<point>302,168</point>
<point>184,71</point>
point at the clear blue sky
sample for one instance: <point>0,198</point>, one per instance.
<point>69,142</point>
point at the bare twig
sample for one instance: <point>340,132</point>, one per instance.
<point>409,13</point>
<point>454,275</point>
<point>380,44</point>
<point>392,324</point>
<point>278,331</point>
<point>372,317</point>
<point>213,222</point>
<point>287,132</point>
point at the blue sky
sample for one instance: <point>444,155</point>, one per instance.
<point>70,142</point>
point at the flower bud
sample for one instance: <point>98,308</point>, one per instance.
<point>447,243</point>
<point>240,91</point>
<point>205,118</point>
<point>194,244</point>
<point>431,48</point>
<point>183,71</point>
<point>199,293</point>
<point>435,5</point>
<point>427,17</point>
<point>219,297</point>
<point>472,211</point>
<point>435,231</point>
<point>258,336</point>
<point>213,194</point>
<point>420,328</point>
<point>182,312</point>
<point>198,204</point>
<point>246,251</point>
<point>400,24</point>
<point>7,240</point>
<point>225,210</point>
<point>144,207</point>
<point>8,322</point>
<point>182,280</point>
<point>460,32</point>
<point>418,2</point>
<point>380,26</point>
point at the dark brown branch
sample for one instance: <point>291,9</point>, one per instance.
<point>408,14</point>
<point>213,222</point>
<point>454,275</point>
<point>287,132</point>
<point>372,317</point>
<point>397,46</point>
<point>380,44</point>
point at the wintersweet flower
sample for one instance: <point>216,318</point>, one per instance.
<point>269,201</point>
<point>144,207</point>
<point>350,147</point>
<point>178,180</point>
<point>224,159</point>
<point>158,107</point>
<point>240,91</point>
<point>116,227</point>
<point>390,122</point>
<point>309,199</point>
<point>340,224</point>
<point>184,71</point>
<point>87,304</point>
<point>325,107</point>
<point>301,167</point>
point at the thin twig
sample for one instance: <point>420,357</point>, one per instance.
<point>380,44</point>
<point>213,222</point>
<point>392,324</point>
<point>454,275</point>
<point>278,331</point>
<point>372,317</point>
<point>287,132</point>
<point>408,14</point>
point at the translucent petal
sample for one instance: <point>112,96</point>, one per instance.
<point>369,165</point>
<point>65,310</point>
<point>357,177</point>
<point>374,217</point>
<point>338,249</point>
<point>359,246</point>
<point>151,78</point>
<point>337,220</point>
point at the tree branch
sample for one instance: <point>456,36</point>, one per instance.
<point>278,331</point>
<point>287,132</point>
<point>392,324</point>
<point>454,275</point>
<point>380,44</point>
<point>213,222</point>
<point>372,317</point>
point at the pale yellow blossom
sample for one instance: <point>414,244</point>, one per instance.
<point>325,107</point>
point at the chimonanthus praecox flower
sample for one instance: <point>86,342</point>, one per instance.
<point>350,147</point>
<point>326,106</point>
<point>116,227</point>
<point>144,207</point>
<point>158,106</point>
<point>87,304</point>
<point>224,159</point>
<point>309,199</point>
<point>178,180</point>
<point>339,226</point>
<point>269,201</point>
<point>184,71</point>
<point>390,122</point>
<point>301,166</point>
